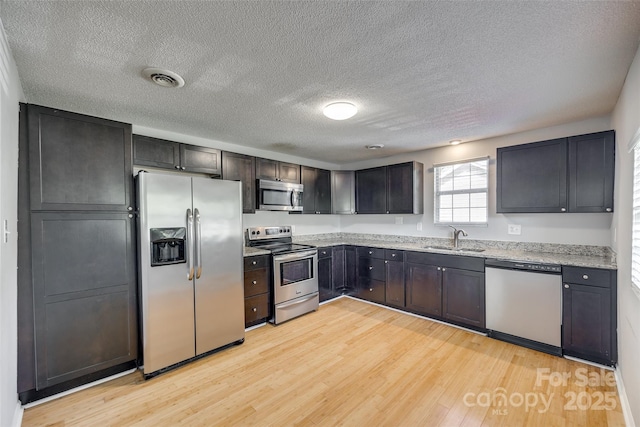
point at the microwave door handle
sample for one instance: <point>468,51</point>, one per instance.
<point>190,244</point>
<point>291,197</point>
<point>198,243</point>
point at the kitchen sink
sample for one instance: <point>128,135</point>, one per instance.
<point>449,248</point>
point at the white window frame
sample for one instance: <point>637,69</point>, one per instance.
<point>438,191</point>
<point>634,148</point>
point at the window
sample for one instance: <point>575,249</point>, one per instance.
<point>461,192</point>
<point>635,240</point>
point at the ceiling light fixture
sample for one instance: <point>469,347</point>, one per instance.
<point>164,78</point>
<point>455,141</point>
<point>374,146</point>
<point>340,110</point>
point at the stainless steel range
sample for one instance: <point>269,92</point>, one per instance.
<point>295,272</point>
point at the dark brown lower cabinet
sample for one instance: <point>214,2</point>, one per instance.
<point>371,278</point>
<point>424,289</point>
<point>394,283</point>
<point>463,297</point>
<point>447,287</point>
<point>84,294</point>
<point>257,289</point>
<point>338,270</point>
<point>325,274</point>
<point>350,270</point>
<point>589,314</point>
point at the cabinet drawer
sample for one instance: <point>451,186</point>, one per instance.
<point>371,268</point>
<point>256,282</point>
<point>256,308</point>
<point>256,262</point>
<point>371,252</point>
<point>393,255</point>
<point>372,290</point>
<point>324,253</point>
<point>442,260</point>
<point>587,276</point>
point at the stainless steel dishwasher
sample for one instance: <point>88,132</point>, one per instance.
<point>524,304</point>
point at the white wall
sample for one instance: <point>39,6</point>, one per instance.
<point>583,229</point>
<point>626,121</point>
<point>11,94</point>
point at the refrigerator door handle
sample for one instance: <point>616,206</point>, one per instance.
<point>190,243</point>
<point>198,243</point>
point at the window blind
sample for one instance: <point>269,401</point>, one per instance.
<point>460,191</point>
<point>635,242</point>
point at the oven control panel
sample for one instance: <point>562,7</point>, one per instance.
<point>272,232</point>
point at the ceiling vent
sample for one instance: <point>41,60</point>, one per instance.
<point>164,78</point>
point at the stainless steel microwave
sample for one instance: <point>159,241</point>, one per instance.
<point>279,196</point>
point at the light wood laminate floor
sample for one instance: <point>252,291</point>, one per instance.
<point>353,364</point>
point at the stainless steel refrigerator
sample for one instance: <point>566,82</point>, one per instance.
<point>191,285</point>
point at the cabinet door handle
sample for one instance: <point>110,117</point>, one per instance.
<point>563,209</point>
<point>254,282</point>
<point>129,208</point>
<point>370,252</point>
<point>386,262</point>
<point>254,262</point>
<point>393,255</point>
<point>370,267</point>
<point>444,269</point>
<point>608,209</point>
<point>585,277</point>
<point>177,166</point>
<point>254,309</point>
<point>566,286</point>
<point>370,289</point>
<point>439,268</point>
<point>183,168</point>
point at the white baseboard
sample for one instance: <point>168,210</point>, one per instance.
<point>17,415</point>
<point>624,402</point>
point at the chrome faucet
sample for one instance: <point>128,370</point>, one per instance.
<point>456,235</point>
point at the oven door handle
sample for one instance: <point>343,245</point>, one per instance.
<point>295,255</point>
<point>300,301</point>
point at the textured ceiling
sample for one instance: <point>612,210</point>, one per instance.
<point>259,72</point>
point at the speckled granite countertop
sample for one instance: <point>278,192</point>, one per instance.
<point>249,251</point>
<point>569,255</point>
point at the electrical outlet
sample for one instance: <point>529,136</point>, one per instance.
<point>399,220</point>
<point>514,229</point>
<point>419,226</point>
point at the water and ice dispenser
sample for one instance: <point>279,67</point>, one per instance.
<point>168,246</point>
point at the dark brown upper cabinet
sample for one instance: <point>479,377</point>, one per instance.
<point>277,171</point>
<point>394,189</point>
<point>591,172</point>
<point>78,162</point>
<point>160,153</point>
<point>573,174</point>
<point>239,167</point>
<point>316,196</point>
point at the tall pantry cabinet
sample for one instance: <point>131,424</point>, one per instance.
<point>77,255</point>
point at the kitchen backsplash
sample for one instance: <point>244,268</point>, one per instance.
<point>585,250</point>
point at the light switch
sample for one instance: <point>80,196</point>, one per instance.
<point>514,229</point>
